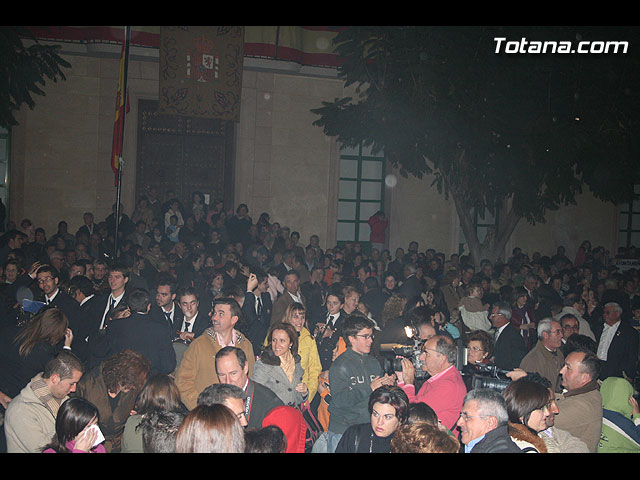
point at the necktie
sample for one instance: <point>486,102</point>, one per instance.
<point>168,315</point>
<point>259,306</point>
<point>186,326</point>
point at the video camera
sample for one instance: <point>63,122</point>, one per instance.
<point>391,352</point>
<point>482,375</point>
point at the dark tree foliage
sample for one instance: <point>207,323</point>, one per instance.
<point>24,70</point>
<point>515,133</point>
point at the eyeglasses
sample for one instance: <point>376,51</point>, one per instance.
<point>476,349</point>
<point>426,351</point>
<point>366,337</point>
<point>466,417</point>
<point>571,327</point>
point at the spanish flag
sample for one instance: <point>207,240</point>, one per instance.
<point>122,107</point>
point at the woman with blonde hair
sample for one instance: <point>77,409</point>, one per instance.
<point>307,347</point>
<point>24,351</point>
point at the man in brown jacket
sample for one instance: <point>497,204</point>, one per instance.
<point>580,404</point>
<point>546,357</point>
<point>197,369</point>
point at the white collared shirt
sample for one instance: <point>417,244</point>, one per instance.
<point>608,333</point>
<point>499,331</point>
<point>296,298</point>
<point>106,310</point>
<point>50,299</point>
<point>191,322</point>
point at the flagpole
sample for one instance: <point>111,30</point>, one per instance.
<point>127,37</point>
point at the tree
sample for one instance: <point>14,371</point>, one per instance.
<point>23,71</point>
<point>513,134</point>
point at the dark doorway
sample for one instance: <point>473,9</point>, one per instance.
<point>184,154</point>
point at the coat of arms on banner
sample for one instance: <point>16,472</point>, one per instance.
<point>202,63</point>
<point>201,71</point>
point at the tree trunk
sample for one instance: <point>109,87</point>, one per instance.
<point>493,247</point>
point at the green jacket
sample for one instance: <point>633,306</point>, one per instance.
<point>620,428</point>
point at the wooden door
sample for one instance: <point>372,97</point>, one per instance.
<point>184,154</point>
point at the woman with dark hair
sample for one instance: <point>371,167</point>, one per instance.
<point>24,351</point>
<point>76,428</point>
<point>160,393</point>
<point>528,406</point>
<point>210,429</point>
<point>420,412</point>
<point>389,409</point>
<point>269,439</point>
<point>295,314</point>
<point>279,367</point>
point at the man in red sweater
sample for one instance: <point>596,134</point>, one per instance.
<point>445,390</point>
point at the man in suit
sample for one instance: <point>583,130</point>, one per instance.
<point>374,297</point>
<point>327,331</point>
<point>194,322</point>
<point>257,309</point>
<point>411,286</point>
<point>88,227</point>
<point>314,291</point>
<point>232,368</point>
<point>117,279</point>
<point>142,333</point>
<point>90,311</point>
<point>292,293</point>
<point>617,344</point>
<point>165,307</point>
<point>509,347</point>
<point>48,279</point>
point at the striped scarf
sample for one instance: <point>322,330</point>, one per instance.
<point>43,393</point>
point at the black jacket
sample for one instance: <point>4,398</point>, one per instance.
<point>509,349</point>
<point>497,441</point>
<point>141,333</point>
<point>259,401</point>
<point>254,326</point>
<point>361,439</point>
<point>622,355</point>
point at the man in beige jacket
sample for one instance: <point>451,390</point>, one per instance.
<point>197,369</point>
<point>580,404</point>
<point>30,419</point>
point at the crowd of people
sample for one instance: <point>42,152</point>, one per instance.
<point>187,328</point>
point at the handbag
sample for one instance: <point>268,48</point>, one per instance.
<point>314,429</point>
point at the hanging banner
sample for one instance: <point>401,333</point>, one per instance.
<point>201,71</point>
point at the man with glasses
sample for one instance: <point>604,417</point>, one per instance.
<point>546,358</point>
<point>444,391</point>
<point>570,325</point>
<point>509,347</point>
<point>353,376</point>
<point>483,423</point>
